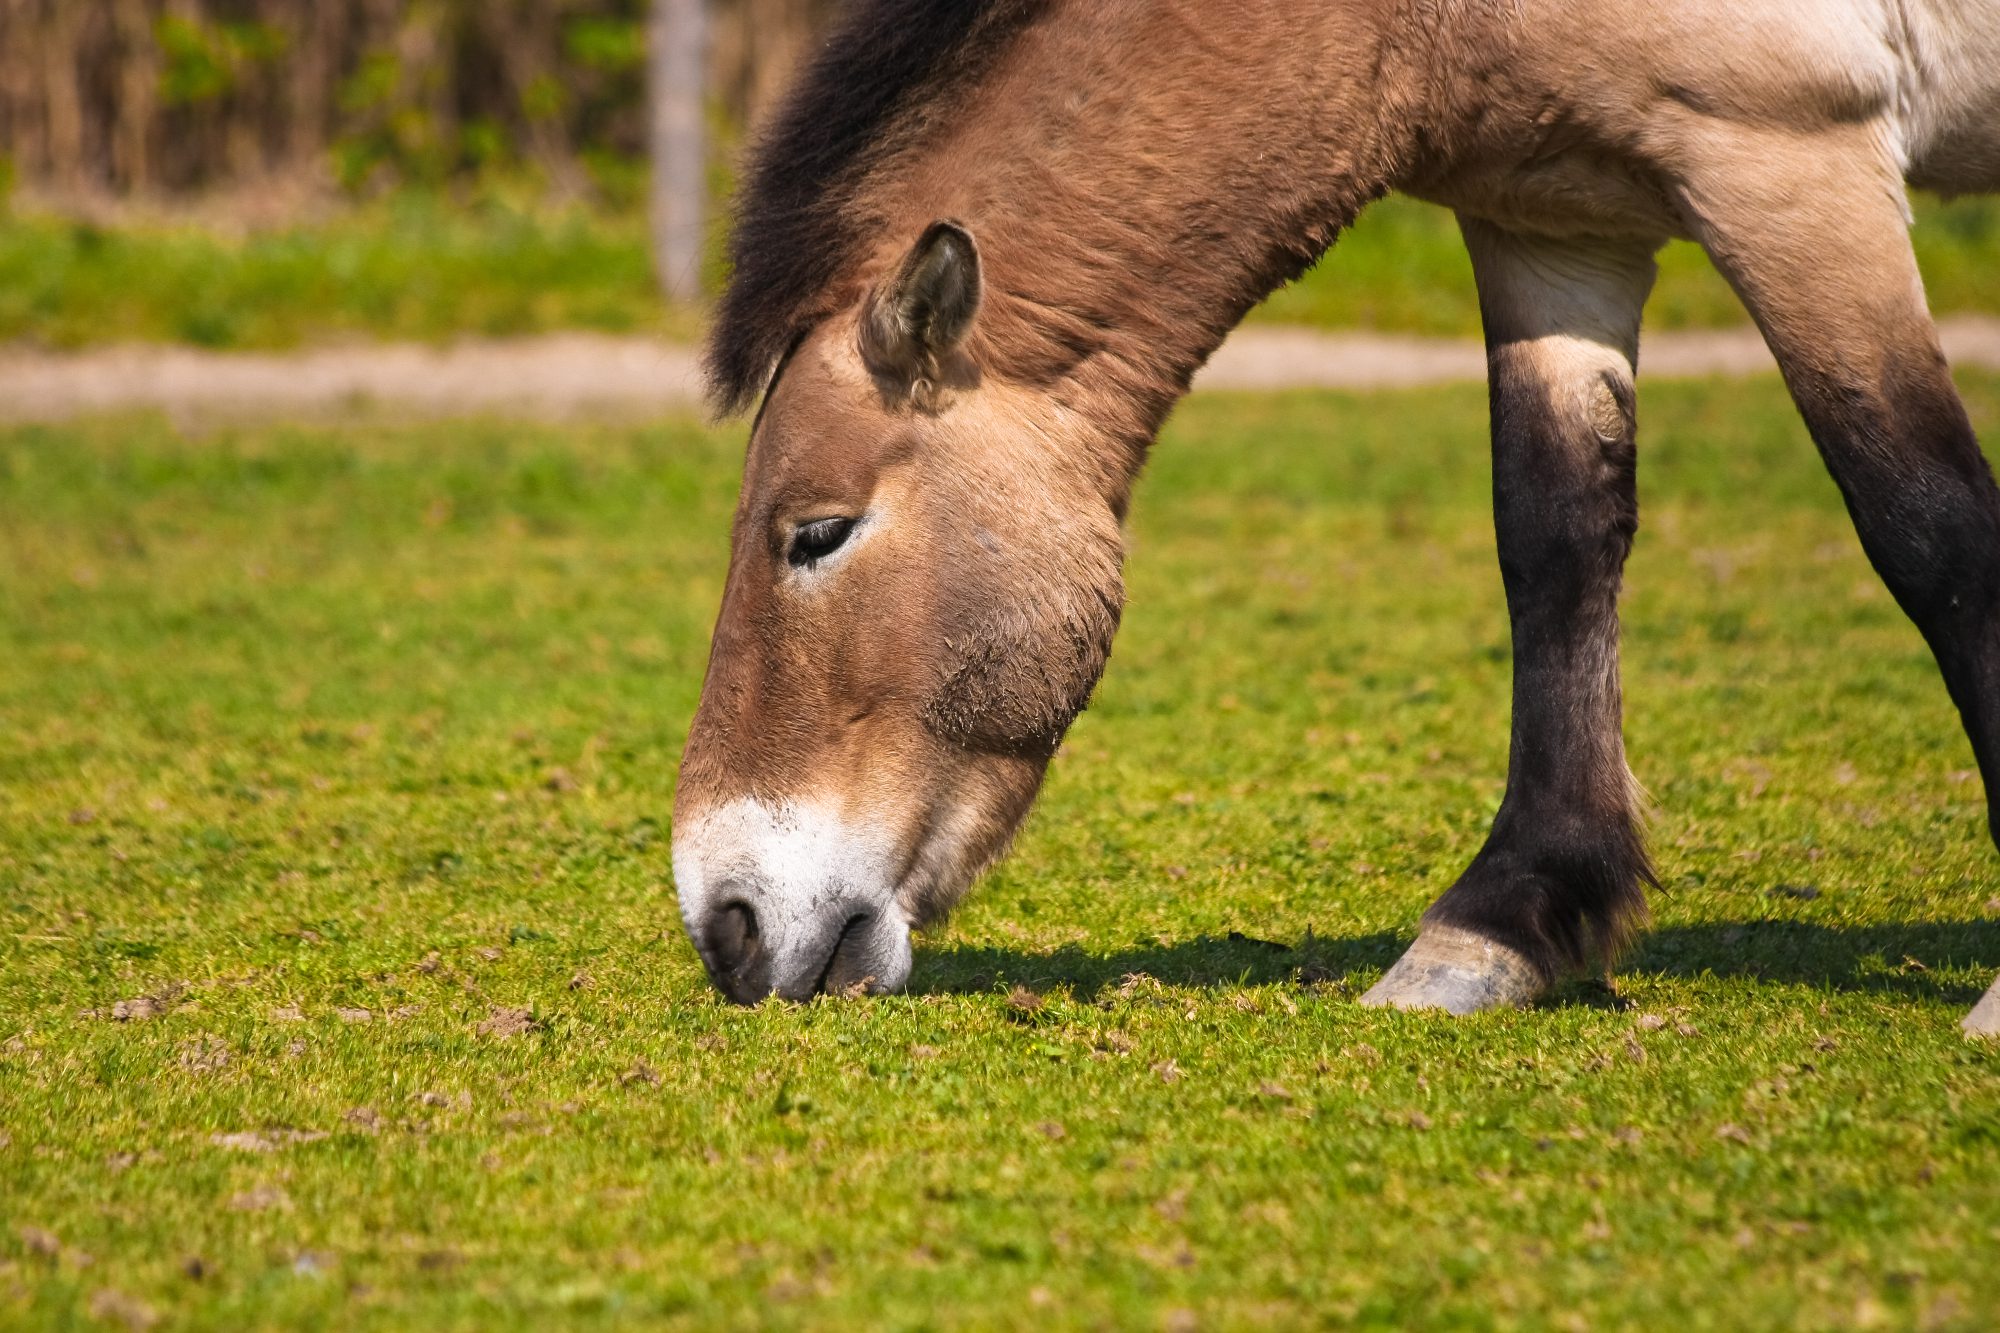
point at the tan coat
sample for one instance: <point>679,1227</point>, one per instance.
<point>994,240</point>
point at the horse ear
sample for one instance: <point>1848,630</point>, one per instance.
<point>922,313</point>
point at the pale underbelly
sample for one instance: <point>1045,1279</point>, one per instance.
<point>1582,199</point>
<point>1592,194</point>
<point>1964,159</point>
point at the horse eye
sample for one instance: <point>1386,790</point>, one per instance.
<point>818,539</point>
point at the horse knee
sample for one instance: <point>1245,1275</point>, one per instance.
<point>1565,465</point>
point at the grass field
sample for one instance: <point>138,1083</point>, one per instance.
<point>341,984</point>
<point>416,267</point>
<point>410,267</point>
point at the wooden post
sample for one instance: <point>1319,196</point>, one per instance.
<point>677,56</point>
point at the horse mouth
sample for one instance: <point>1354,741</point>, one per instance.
<point>851,969</point>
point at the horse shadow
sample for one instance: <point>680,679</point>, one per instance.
<point>1903,959</point>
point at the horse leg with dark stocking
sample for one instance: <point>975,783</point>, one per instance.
<point>1560,880</point>
<point>1814,239</point>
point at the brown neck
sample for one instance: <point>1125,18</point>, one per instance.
<point>1139,175</point>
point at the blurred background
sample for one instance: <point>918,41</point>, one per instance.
<point>267,173</point>
<point>258,172</point>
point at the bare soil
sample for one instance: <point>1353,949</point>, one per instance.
<point>579,375</point>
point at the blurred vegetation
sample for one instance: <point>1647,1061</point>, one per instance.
<point>119,99</point>
<point>492,261</point>
<point>262,173</point>
<point>1402,269</point>
<point>413,266</point>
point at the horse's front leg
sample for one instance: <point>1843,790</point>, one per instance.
<point>1560,881</point>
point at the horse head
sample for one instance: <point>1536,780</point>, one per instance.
<point>922,591</point>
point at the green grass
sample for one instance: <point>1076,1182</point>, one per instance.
<point>1402,269</point>
<point>414,267</point>
<point>296,724</point>
<point>409,268</point>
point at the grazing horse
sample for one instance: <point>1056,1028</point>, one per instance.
<point>984,246</point>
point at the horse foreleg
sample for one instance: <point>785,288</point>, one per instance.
<point>1560,879</point>
<point>1812,235</point>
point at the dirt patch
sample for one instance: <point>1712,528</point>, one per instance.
<point>580,375</point>
<point>111,1307</point>
<point>204,1055</point>
<point>506,1022</point>
<point>262,1199</point>
<point>41,1242</point>
<point>264,1140</point>
<point>142,1007</point>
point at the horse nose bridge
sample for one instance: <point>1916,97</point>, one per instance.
<point>787,865</point>
<point>717,761</point>
<point>752,693</point>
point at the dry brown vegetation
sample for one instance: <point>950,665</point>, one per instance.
<point>115,98</point>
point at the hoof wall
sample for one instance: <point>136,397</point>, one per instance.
<point>1984,1020</point>
<point>1458,972</point>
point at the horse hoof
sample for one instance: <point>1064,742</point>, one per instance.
<point>1984,1020</point>
<point>1458,972</point>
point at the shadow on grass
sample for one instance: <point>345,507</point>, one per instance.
<point>1239,960</point>
<point>1900,959</point>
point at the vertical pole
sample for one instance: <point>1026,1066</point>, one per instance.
<point>677,43</point>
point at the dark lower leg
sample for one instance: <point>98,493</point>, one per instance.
<point>1928,515</point>
<point>1927,511</point>
<point>1560,879</point>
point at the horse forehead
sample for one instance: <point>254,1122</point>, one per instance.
<point>824,421</point>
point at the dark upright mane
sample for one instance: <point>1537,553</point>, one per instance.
<point>886,73</point>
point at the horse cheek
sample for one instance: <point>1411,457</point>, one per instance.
<point>1012,680</point>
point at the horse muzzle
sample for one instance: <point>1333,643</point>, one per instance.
<point>862,952</point>
<point>789,902</point>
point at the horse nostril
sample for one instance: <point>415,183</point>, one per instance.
<point>732,935</point>
<point>735,952</point>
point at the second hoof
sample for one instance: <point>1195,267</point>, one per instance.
<point>1984,1020</point>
